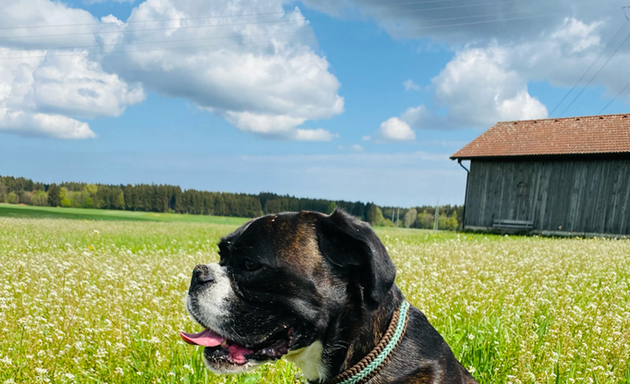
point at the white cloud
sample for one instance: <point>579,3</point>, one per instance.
<point>43,91</point>
<point>515,42</point>
<point>77,86</point>
<point>479,89</point>
<point>357,148</point>
<point>480,22</point>
<point>42,124</point>
<point>276,127</point>
<point>410,85</point>
<point>261,75</point>
<point>483,85</point>
<point>417,116</point>
<point>366,138</point>
<point>40,96</point>
<point>395,129</point>
<point>88,2</point>
<point>564,55</point>
<point>263,124</point>
<point>318,134</point>
<point>78,29</point>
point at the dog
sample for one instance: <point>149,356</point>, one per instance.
<point>318,290</point>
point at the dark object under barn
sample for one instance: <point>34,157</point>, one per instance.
<point>568,176</point>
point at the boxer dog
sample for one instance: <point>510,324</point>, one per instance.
<point>318,290</point>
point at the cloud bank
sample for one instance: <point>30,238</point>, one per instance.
<point>254,67</point>
<point>488,82</point>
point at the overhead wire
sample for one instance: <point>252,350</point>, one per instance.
<point>158,49</point>
<point>166,49</point>
<point>487,21</point>
<point>74,47</point>
<point>145,50</point>
<point>304,19</point>
<point>627,85</point>
<point>595,75</point>
<point>623,26</point>
<point>151,29</point>
<point>281,33</point>
<point>221,16</point>
<point>613,99</point>
<point>236,24</point>
<point>224,16</point>
<point>234,36</point>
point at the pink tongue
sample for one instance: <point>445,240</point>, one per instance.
<point>237,353</point>
<point>206,338</point>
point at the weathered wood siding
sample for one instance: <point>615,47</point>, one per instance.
<point>558,195</point>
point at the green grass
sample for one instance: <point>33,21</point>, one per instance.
<point>102,302</point>
<point>26,211</point>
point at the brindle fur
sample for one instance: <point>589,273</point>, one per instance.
<point>331,278</point>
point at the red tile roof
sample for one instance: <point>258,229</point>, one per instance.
<point>562,136</point>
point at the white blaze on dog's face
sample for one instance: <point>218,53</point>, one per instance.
<point>275,293</point>
<point>211,305</point>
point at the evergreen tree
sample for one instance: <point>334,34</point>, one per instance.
<point>54,199</point>
<point>3,191</point>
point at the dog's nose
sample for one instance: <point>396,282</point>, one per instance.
<point>201,275</point>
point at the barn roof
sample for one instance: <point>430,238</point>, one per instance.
<point>603,134</point>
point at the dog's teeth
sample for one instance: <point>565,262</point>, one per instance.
<point>224,344</point>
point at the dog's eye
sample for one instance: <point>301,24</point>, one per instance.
<point>251,265</point>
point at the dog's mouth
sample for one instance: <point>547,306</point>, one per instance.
<point>221,349</point>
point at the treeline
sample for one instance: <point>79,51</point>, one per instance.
<point>169,198</point>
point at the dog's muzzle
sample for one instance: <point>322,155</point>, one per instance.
<point>201,276</point>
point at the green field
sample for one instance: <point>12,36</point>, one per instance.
<point>102,302</point>
<point>27,211</point>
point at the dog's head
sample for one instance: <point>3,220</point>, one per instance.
<point>282,282</point>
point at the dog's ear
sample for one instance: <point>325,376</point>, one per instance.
<point>351,245</point>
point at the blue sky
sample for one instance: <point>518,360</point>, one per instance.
<point>350,100</point>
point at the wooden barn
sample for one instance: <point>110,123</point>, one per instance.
<point>565,176</point>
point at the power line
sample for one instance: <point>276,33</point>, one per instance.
<point>304,19</point>
<point>145,50</point>
<point>149,42</point>
<point>613,99</point>
<point>487,21</point>
<point>167,49</point>
<point>624,25</point>
<point>235,36</point>
<point>151,29</point>
<point>497,20</point>
<point>284,21</point>
<point>225,16</point>
<point>226,37</point>
<point>233,24</point>
<point>595,75</point>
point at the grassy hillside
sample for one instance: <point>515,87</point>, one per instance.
<point>27,211</point>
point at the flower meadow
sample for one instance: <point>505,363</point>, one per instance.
<point>102,302</point>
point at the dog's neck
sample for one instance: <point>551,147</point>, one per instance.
<point>357,333</point>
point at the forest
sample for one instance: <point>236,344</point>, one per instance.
<point>169,198</point>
